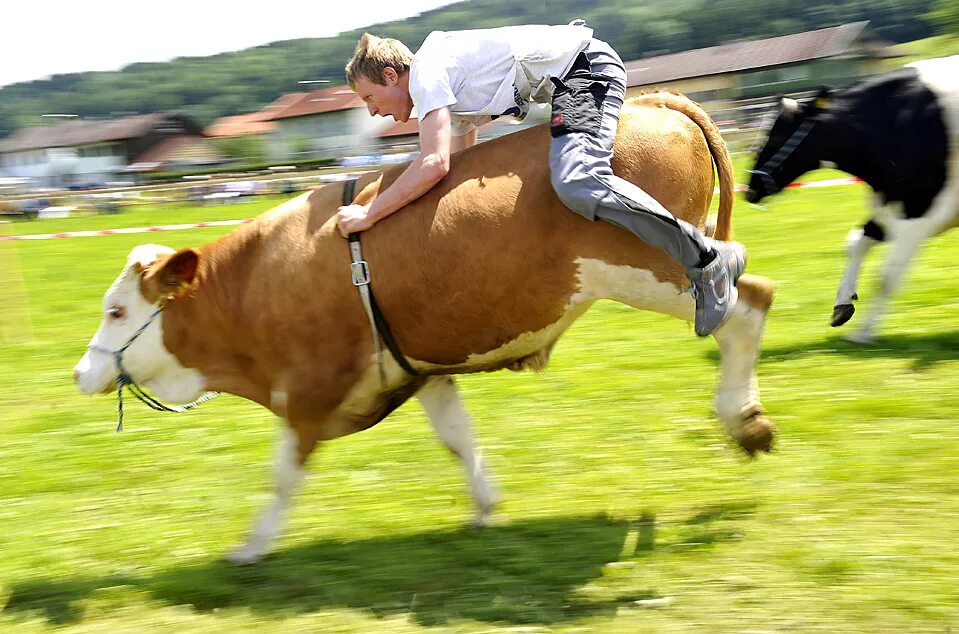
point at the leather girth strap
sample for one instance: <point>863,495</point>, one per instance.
<point>360,272</point>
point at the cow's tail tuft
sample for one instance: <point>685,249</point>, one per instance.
<point>717,148</point>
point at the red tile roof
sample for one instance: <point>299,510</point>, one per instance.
<point>319,101</point>
<point>240,125</point>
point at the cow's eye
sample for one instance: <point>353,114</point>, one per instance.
<point>116,312</point>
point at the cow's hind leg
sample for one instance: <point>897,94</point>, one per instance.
<point>291,455</point>
<point>737,400</point>
<point>442,403</point>
<point>858,244</point>
<point>737,403</point>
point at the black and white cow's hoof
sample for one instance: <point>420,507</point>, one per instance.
<point>244,556</point>
<point>861,338</point>
<point>841,313</point>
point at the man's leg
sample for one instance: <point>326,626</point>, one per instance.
<point>580,156</point>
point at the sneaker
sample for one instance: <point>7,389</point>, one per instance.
<point>714,289</point>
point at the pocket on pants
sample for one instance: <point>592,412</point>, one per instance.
<point>578,105</point>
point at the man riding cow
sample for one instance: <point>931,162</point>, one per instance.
<point>459,80</point>
<point>481,273</point>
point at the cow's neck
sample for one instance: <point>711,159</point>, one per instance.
<point>206,330</point>
<point>851,144</point>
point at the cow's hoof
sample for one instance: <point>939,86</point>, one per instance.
<point>841,313</point>
<point>484,518</point>
<point>756,433</point>
<point>860,338</point>
<point>244,556</point>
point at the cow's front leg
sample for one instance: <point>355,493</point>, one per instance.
<point>858,244</point>
<point>291,457</point>
<point>907,237</point>
<point>442,403</point>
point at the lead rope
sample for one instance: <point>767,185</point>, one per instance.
<point>152,402</point>
<point>125,380</point>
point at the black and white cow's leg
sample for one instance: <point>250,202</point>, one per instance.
<point>737,399</point>
<point>443,405</point>
<point>288,473</point>
<point>858,244</point>
<point>908,235</point>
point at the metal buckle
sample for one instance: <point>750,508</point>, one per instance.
<point>360,271</point>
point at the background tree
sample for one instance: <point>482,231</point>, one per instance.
<point>945,15</point>
<point>244,81</point>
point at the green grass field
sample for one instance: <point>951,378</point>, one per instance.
<point>625,508</point>
<point>936,46</point>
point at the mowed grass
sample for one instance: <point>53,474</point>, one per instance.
<point>936,46</point>
<point>625,508</point>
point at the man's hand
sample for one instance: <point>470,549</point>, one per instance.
<point>352,218</point>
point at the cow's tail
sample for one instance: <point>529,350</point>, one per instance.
<point>717,148</point>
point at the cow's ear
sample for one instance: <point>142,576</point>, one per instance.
<point>170,274</point>
<point>788,107</point>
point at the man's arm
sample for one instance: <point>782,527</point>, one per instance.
<point>462,142</point>
<point>420,176</point>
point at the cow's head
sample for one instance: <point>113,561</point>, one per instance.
<point>151,276</point>
<point>793,147</point>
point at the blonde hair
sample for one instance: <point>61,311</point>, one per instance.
<point>373,55</point>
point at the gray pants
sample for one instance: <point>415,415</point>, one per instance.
<point>580,155</point>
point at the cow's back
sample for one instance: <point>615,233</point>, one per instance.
<point>492,252</point>
<point>487,254</point>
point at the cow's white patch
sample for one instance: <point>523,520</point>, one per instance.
<point>146,360</point>
<point>598,280</point>
<point>941,76</point>
<point>288,473</point>
<point>636,287</point>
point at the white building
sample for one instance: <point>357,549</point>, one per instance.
<point>96,151</point>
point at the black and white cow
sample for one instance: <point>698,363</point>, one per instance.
<point>899,132</point>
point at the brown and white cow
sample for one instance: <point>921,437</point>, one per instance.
<point>484,272</point>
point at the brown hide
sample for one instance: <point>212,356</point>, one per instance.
<point>489,253</point>
<point>485,256</point>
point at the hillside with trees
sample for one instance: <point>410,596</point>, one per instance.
<point>245,81</point>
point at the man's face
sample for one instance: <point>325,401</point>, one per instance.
<point>392,99</point>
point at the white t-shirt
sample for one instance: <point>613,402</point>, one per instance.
<point>486,73</point>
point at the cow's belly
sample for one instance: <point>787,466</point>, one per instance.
<point>371,398</point>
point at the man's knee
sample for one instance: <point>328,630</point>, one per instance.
<point>574,196</point>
